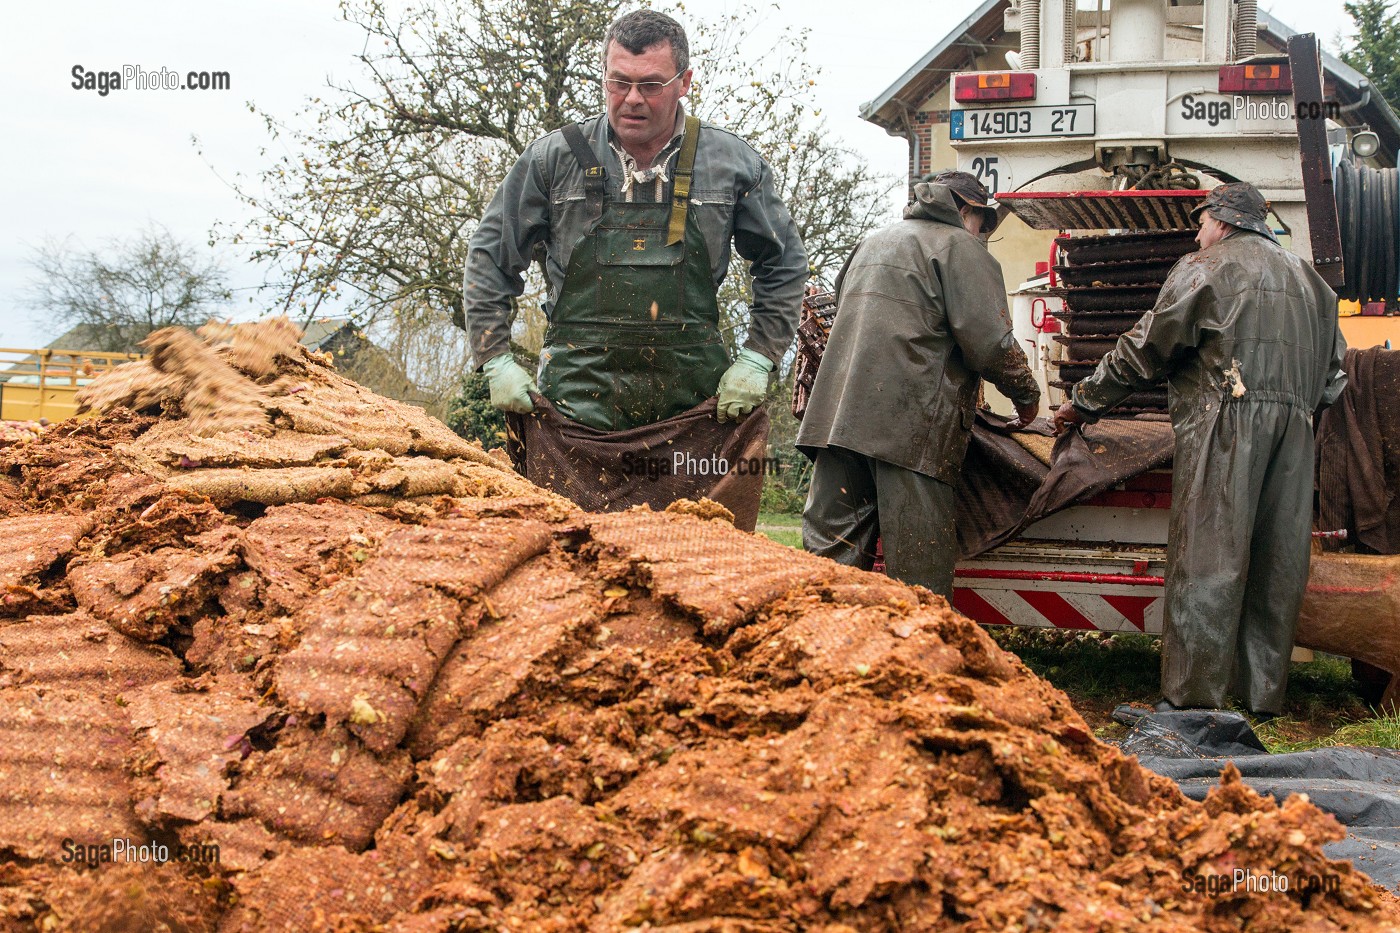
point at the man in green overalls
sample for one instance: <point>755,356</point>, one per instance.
<point>636,210</point>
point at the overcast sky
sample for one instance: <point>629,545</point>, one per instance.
<point>77,164</point>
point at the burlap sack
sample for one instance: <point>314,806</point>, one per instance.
<point>685,457</point>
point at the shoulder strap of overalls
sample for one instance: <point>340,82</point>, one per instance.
<point>680,193</point>
<point>593,172</point>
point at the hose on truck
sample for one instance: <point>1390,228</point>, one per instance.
<point>1368,213</point>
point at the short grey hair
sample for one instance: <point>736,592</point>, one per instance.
<point>641,29</point>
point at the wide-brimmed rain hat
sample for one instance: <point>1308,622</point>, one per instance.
<point>968,190</point>
<point>1239,204</point>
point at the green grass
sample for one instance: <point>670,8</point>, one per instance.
<point>781,527</point>
<point>1087,664</point>
<point>1287,734</point>
<point>1380,732</point>
<point>1098,671</point>
<point>1323,689</point>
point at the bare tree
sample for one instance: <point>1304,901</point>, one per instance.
<point>134,287</point>
<point>383,178</point>
<point>373,201</point>
<point>766,95</point>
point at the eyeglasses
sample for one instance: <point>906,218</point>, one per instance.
<point>645,88</point>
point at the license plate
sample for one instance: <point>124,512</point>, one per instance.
<point>1022,122</point>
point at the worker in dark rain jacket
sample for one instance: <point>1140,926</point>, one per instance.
<point>1247,335</point>
<point>921,316</point>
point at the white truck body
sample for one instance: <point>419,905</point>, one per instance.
<point>1112,88</point>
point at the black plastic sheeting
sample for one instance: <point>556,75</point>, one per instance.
<point>1359,786</point>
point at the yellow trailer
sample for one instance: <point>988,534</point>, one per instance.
<point>41,384</point>
<point>1368,330</point>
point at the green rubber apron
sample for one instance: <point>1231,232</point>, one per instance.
<point>634,337</point>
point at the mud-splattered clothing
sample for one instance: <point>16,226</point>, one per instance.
<point>921,320</point>
<point>1246,334</point>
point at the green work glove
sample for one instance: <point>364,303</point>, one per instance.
<point>743,385</point>
<point>511,384</point>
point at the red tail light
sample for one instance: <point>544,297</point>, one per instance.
<point>994,85</point>
<point>1257,79</point>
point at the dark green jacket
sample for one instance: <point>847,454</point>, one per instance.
<point>1246,334</point>
<point>921,314</point>
<point>1245,316</point>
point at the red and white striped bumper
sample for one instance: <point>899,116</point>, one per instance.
<point>1107,602</point>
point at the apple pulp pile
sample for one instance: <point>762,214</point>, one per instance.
<point>254,610</point>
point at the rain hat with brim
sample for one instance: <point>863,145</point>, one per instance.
<point>968,190</point>
<point>1239,204</point>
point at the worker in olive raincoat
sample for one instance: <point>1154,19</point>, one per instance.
<point>921,318</point>
<point>1247,335</point>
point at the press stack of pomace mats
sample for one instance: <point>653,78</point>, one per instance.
<point>1108,283</point>
<point>381,683</point>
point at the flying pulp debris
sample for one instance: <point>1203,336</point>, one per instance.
<point>399,688</point>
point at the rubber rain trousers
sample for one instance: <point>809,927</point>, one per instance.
<point>1247,335</point>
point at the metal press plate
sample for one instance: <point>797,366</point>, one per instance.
<point>1125,247</point>
<point>1104,210</point>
